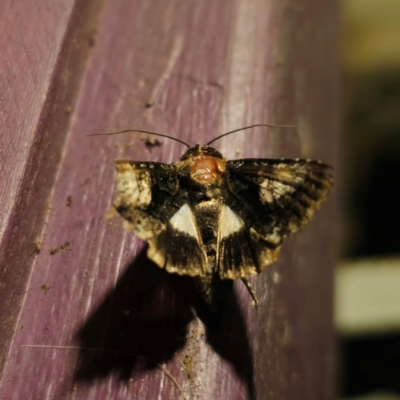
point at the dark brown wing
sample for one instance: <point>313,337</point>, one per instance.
<point>273,198</point>
<point>154,205</point>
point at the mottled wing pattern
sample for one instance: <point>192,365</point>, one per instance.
<point>154,205</point>
<point>270,200</point>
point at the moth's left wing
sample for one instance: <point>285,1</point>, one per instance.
<point>267,200</point>
<point>155,206</point>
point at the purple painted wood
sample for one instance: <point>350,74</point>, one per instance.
<point>44,48</point>
<point>189,69</point>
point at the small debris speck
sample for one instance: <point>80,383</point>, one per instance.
<point>45,287</point>
<point>65,247</point>
<point>37,246</point>
<point>69,201</point>
<point>152,143</point>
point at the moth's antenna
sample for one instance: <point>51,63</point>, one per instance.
<point>140,131</point>
<point>248,127</point>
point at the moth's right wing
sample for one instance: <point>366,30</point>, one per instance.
<point>155,206</point>
<point>266,201</point>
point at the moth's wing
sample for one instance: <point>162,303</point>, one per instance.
<point>268,200</point>
<point>154,204</point>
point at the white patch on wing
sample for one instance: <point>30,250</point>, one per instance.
<point>265,192</point>
<point>144,184</point>
<point>286,175</point>
<point>270,190</point>
<point>265,195</point>
<point>229,222</point>
<point>134,187</point>
<point>280,189</point>
<point>183,221</point>
<point>274,237</point>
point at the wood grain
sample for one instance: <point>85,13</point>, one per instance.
<point>190,69</point>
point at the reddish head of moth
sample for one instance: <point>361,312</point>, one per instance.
<point>206,169</point>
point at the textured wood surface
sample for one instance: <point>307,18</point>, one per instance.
<point>70,278</point>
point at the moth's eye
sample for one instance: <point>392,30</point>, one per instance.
<point>221,165</point>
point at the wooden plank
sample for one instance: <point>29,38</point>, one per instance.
<point>192,70</point>
<point>44,51</point>
<point>28,59</point>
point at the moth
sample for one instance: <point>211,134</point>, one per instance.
<point>215,219</point>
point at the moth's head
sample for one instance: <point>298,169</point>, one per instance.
<point>200,150</point>
<point>206,164</point>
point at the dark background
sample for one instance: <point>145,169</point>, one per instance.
<point>370,361</point>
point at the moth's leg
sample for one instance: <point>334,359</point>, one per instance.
<point>251,291</point>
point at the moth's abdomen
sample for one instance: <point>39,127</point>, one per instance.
<point>214,291</point>
<point>207,217</point>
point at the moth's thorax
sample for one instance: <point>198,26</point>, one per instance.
<point>206,164</point>
<point>206,169</point>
